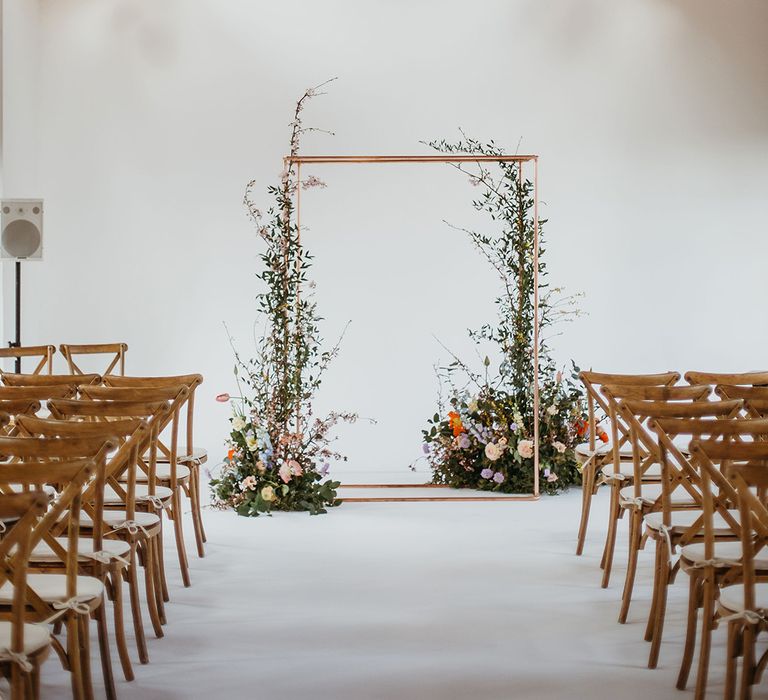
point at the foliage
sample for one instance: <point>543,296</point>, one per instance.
<point>280,453</point>
<point>485,439</point>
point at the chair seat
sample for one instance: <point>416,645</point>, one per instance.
<point>732,597</point>
<point>163,473</point>
<point>602,448</point>
<point>142,493</point>
<point>627,471</point>
<point>52,588</point>
<point>36,637</point>
<point>115,518</point>
<point>683,519</point>
<point>727,551</point>
<point>43,552</point>
<point>651,492</point>
<point>198,454</point>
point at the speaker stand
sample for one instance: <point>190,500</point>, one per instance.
<point>17,342</point>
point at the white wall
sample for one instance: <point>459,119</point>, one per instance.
<point>650,116</point>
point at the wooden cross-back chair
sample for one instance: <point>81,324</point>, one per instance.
<point>709,543</point>
<point>755,398</point>
<point>593,456</point>
<point>119,555</point>
<point>11,409</point>
<point>155,499</point>
<point>643,498</point>
<point>43,380</point>
<point>628,480</point>
<point>171,475</point>
<point>23,647</point>
<point>672,517</point>
<point>67,596</point>
<point>190,455</point>
<point>743,598</point>
<point>44,353</point>
<point>50,554</point>
<point>115,353</point>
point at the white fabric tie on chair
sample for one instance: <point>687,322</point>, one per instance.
<point>132,526</point>
<point>105,557</point>
<point>665,530</point>
<point>751,616</point>
<point>154,499</point>
<point>17,657</point>
<point>613,476</point>
<point>717,563</point>
<point>78,604</point>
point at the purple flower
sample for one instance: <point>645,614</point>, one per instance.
<point>486,473</point>
<point>513,427</point>
<point>324,469</point>
<point>464,441</point>
<point>546,472</point>
<point>425,448</point>
<point>498,477</point>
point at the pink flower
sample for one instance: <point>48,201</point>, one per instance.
<point>295,468</point>
<point>248,483</point>
<point>525,448</point>
<point>285,472</point>
<point>223,398</point>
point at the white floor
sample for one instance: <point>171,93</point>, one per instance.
<point>415,601</point>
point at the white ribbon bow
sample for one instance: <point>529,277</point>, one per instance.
<point>751,616</point>
<point>105,557</point>
<point>17,657</point>
<point>131,526</point>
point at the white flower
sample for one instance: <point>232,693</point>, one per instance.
<point>472,406</point>
<point>493,451</point>
<point>559,446</point>
<point>238,423</point>
<point>251,443</point>
<point>268,494</point>
<point>525,448</point>
<point>552,410</point>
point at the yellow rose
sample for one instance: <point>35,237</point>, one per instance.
<point>268,494</point>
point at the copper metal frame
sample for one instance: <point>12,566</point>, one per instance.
<point>298,160</point>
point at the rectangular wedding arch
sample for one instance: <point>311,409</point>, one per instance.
<point>298,160</point>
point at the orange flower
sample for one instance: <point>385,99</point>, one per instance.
<point>581,427</point>
<point>230,455</point>
<point>603,436</point>
<point>454,420</point>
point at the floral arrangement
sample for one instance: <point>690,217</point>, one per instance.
<point>279,452</point>
<point>482,435</point>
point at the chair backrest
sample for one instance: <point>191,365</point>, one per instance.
<point>177,395</point>
<point>153,412</point>
<point>131,434</point>
<point>734,378</point>
<point>37,393</point>
<point>21,512</point>
<point>592,382</point>
<point>191,381</point>
<point>63,514</point>
<point>115,355</point>
<point>624,430</point>
<point>71,380</point>
<point>755,398</point>
<point>746,467</point>
<point>651,446</point>
<point>12,409</point>
<point>44,353</point>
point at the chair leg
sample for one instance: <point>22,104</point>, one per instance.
<point>661,604</point>
<point>157,583</point>
<point>85,654</point>
<point>730,662</point>
<point>654,594</point>
<point>635,529</point>
<point>610,540</point>
<point>587,480</point>
<point>178,529</point>
<point>748,662</point>
<point>73,656</point>
<point>708,612</point>
<point>138,623</point>
<point>196,475</point>
<point>694,603</point>
<point>161,562</point>
<point>104,651</point>
<point>194,499</point>
<point>117,606</point>
<point>149,584</point>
